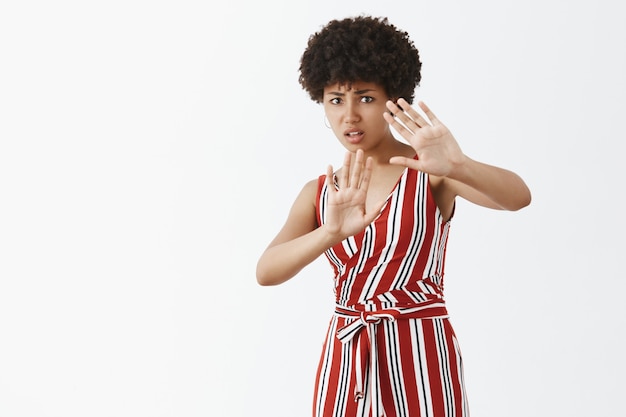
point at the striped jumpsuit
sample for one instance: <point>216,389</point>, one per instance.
<point>390,349</point>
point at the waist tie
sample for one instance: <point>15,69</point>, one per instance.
<point>367,351</point>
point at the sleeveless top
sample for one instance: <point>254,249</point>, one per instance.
<point>398,260</point>
<point>388,287</point>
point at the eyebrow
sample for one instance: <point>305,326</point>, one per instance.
<point>359,92</point>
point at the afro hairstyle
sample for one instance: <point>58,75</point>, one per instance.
<point>362,48</point>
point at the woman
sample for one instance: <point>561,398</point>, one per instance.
<point>382,220</point>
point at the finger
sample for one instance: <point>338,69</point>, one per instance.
<point>330,186</point>
<point>403,111</point>
<point>398,127</point>
<point>414,114</point>
<point>431,116</point>
<point>406,162</point>
<point>355,179</point>
<point>367,174</point>
<point>345,171</point>
<point>399,114</point>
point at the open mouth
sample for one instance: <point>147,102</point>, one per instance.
<point>354,136</point>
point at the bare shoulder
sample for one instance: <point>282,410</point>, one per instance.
<point>302,217</point>
<point>310,188</point>
<point>304,205</point>
<point>308,194</point>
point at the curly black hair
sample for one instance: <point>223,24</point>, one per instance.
<point>362,48</point>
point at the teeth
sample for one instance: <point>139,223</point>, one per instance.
<point>354,133</point>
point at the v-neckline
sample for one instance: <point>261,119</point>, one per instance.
<point>403,174</point>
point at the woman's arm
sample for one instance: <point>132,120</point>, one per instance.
<point>454,173</point>
<point>301,241</point>
<point>297,244</point>
<point>489,186</point>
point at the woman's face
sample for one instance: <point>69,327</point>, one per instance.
<point>355,112</point>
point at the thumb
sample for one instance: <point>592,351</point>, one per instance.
<point>406,162</point>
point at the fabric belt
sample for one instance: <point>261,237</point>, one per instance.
<point>367,350</point>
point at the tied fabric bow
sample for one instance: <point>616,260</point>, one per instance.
<point>367,348</point>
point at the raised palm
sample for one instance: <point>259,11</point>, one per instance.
<point>346,210</point>
<point>438,153</point>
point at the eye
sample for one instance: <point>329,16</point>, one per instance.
<point>335,100</point>
<point>367,99</point>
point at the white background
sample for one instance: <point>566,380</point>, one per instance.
<point>149,151</point>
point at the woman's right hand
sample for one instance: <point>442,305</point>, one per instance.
<point>346,210</point>
<point>301,241</point>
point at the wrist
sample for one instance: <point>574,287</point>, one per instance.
<point>330,235</point>
<point>461,168</point>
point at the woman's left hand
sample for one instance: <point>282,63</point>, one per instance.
<point>438,153</point>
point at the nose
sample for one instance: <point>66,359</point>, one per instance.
<point>352,115</point>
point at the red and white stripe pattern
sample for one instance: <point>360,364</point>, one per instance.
<point>390,349</point>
